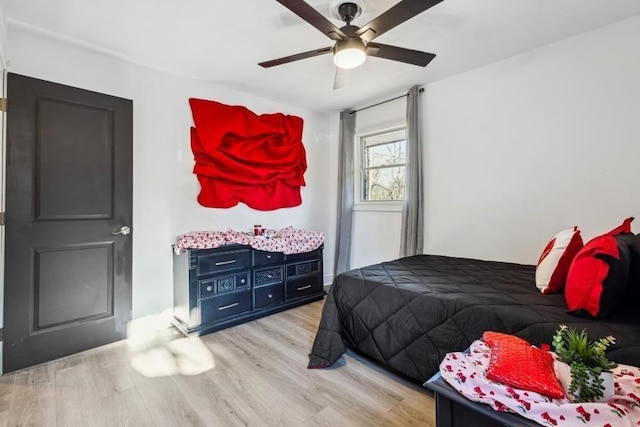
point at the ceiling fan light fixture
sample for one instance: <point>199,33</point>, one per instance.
<point>349,53</point>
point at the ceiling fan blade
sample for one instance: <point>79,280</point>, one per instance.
<point>400,54</point>
<point>296,57</point>
<point>313,17</point>
<point>342,78</point>
<point>393,17</point>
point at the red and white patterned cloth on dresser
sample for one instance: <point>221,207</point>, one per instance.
<point>466,372</point>
<point>289,240</point>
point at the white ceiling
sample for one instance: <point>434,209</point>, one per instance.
<point>223,40</point>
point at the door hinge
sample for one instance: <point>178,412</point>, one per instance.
<point>1,218</point>
<point>3,104</point>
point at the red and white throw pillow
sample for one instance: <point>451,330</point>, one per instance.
<point>553,265</point>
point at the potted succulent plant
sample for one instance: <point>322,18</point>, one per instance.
<point>586,375</point>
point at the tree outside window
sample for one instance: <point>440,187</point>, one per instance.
<point>383,163</point>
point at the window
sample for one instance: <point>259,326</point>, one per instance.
<point>382,159</point>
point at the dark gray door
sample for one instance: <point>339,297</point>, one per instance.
<point>69,186</point>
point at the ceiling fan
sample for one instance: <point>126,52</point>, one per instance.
<point>354,44</point>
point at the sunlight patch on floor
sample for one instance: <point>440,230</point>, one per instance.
<point>158,350</point>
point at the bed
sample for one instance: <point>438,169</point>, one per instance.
<point>407,314</point>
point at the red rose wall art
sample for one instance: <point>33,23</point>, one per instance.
<point>243,157</point>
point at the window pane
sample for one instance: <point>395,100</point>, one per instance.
<point>384,184</point>
<point>390,153</point>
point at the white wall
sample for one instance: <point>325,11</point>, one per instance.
<point>3,40</point>
<point>376,234</point>
<point>522,148</point>
<point>375,237</point>
<point>164,187</point>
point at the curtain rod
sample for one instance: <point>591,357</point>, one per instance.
<point>384,102</point>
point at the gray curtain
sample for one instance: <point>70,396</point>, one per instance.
<point>345,190</point>
<point>412,231</point>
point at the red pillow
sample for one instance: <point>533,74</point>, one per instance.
<point>491,337</point>
<point>553,265</point>
<point>599,274</point>
<point>625,227</point>
<point>525,367</point>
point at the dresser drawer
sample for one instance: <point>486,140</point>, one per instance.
<point>304,286</point>
<point>270,275</point>
<point>267,258</point>
<point>217,285</point>
<point>222,261</point>
<point>305,255</point>
<point>303,268</point>
<point>267,296</point>
<point>224,306</point>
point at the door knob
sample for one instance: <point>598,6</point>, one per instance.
<point>124,230</point>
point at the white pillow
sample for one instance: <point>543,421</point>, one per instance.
<point>553,265</point>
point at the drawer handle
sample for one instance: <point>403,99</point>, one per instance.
<point>243,281</point>
<point>209,288</point>
<point>224,307</point>
<point>270,296</point>
<point>268,256</point>
<point>226,262</point>
<point>270,276</point>
<point>302,288</point>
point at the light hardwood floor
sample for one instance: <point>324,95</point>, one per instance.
<point>253,375</point>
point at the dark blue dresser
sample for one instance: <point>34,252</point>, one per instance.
<point>217,288</point>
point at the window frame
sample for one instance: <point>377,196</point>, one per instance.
<point>360,204</point>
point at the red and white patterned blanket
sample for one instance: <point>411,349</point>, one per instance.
<point>289,240</point>
<point>466,372</point>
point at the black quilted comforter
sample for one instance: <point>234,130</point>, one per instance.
<point>407,314</point>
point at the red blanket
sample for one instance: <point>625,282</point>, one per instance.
<point>243,157</point>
